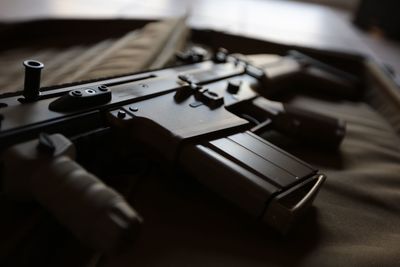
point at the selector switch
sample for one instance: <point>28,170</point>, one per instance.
<point>82,98</point>
<point>209,98</point>
<point>212,99</point>
<point>199,94</point>
<point>186,91</point>
<point>234,86</point>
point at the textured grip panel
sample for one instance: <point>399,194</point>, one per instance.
<point>96,214</point>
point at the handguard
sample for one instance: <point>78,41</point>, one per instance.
<point>44,170</point>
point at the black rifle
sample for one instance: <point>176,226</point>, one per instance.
<point>202,117</point>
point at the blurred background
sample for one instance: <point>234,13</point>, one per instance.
<point>15,9</point>
<point>369,26</point>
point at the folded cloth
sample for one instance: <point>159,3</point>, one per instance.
<point>148,48</point>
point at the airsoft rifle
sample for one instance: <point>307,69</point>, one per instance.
<point>203,116</point>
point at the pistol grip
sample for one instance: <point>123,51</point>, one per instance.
<point>331,80</point>
<point>297,122</point>
<point>310,126</point>
<point>330,83</point>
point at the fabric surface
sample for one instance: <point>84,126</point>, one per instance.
<point>356,216</point>
<point>359,204</point>
<point>355,220</point>
<point>148,48</point>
